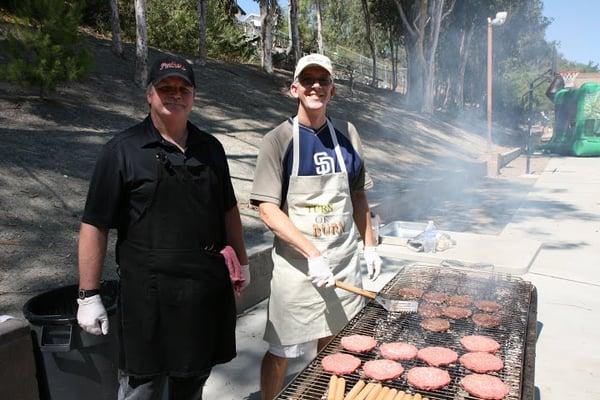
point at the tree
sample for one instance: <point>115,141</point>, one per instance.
<point>46,48</point>
<point>294,34</point>
<point>319,27</point>
<point>385,15</point>
<point>520,53</point>
<point>422,22</point>
<point>367,15</point>
<point>268,15</point>
<point>456,50</point>
<point>141,44</point>
<point>117,47</point>
<point>202,9</point>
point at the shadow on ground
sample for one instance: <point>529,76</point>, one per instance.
<point>428,166</point>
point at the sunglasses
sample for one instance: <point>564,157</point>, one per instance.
<point>309,82</point>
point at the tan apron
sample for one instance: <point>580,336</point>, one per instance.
<point>321,208</point>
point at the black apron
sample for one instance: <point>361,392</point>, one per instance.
<point>176,306</point>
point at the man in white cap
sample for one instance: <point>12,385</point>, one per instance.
<point>309,185</point>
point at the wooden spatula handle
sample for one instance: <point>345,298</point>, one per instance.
<point>355,290</point>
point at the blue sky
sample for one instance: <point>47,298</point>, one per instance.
<point>575,25</point>
<point>251,6</point>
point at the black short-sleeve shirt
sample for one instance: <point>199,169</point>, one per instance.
<point>125,175</point>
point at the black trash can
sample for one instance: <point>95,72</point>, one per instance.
<point>71,363</point>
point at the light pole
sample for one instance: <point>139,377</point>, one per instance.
<point>498,20</point>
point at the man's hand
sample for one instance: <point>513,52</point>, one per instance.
<point>92,316</point>
<point>245,276</point>
<point>373,262</point>
<point>319,272</point>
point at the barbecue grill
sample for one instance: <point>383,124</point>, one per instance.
<point>516,334</point>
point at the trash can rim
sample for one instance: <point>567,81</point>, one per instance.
<point>66,318</point>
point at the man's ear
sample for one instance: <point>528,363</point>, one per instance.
<point>333,91</point>
<point>294,89</point>
<point>148,93</point>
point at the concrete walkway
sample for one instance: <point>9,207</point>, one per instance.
<point>561,210</point>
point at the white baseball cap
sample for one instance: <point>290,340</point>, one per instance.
<point>311,60</point>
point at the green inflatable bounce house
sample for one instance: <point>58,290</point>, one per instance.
<point>577,122</point>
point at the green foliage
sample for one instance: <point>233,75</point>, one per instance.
<point>50,50</point>
<point>522,54</point>
<point>224,38</point>
<point>566,65</point>
<point>96,14</point>
<point>174,26</point>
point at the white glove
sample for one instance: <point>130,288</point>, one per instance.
<point>319,272</point>
<point>92,316</point>
<point>373,262</point>
<point>245,276</point>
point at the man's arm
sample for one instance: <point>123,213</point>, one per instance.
<point>235,233</point>
<point>92,250</point>
<point>278,222</point>
<point>362,217</point>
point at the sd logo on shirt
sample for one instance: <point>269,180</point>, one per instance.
<point>324,163</point>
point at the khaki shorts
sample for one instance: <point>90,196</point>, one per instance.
<point>293,350</point>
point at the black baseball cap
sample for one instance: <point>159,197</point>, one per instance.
<point>168,65</point>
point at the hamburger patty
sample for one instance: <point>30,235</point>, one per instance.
<point>486,320</point>
<point>383,370</point>
<point>435,324</point>
<point>456,312</point>
<point>428,378</point>
<point>340,363</point>
<point>488,306</point>
<point>481,362</point>
<point>398,351</point>
<point>484,386</point>
<point>430,310</point>
<point>358,343</point>
<point>410,293</point>
<point>459,301</point>
<point>435,297</point>
<point>480,343</point>
<point>436,356</point>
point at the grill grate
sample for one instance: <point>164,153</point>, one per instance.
<point>511,292</point>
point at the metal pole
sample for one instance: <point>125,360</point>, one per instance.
<point>489,88</point>
<point>529,122</point>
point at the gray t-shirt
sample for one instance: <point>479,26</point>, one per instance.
<point>275,159</point>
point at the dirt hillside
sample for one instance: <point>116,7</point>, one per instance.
<point>49,148</point>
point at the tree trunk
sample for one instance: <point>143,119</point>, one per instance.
<point>423,32</point>
<point>319,27</point>
<point>141,43</point>
<point>437,7</point>
<point>414,78</point>
<point>293,49</point>
<point>202,9</point>
<point>117,47</point>
<point>459,87</point>
<point>266,33</point>
<point>394,54</point>
<point>414,38</point>
<point>365,8</point>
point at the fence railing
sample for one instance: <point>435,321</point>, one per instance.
<point>361,67</point>
<point>350,64</point>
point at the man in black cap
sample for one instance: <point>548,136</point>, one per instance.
<point>165,186</point>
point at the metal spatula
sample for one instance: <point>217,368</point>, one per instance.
<point>391,305</point>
